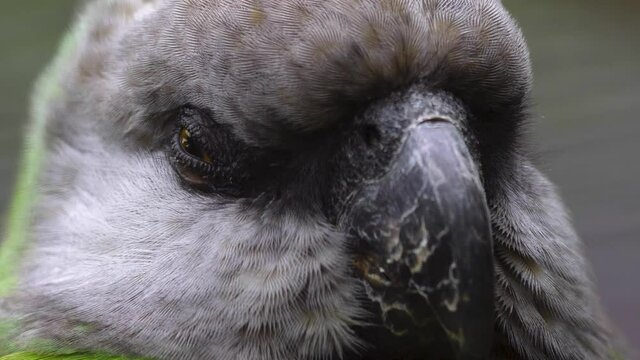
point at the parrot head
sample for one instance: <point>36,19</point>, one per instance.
<point>277,179</point>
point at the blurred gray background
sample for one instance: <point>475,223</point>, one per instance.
<point>586,119</point>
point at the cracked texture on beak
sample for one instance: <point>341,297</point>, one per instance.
<point>424,251</point>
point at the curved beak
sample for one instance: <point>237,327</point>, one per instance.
<point>424,251</point>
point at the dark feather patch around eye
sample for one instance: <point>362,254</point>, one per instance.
<point>208,157</point>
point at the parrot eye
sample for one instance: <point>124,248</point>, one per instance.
<point>192,148</point>
<point>195,139</point>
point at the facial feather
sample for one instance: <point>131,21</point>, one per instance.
<point>122,250</point>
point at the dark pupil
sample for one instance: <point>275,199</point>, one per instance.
<point>191,147</point>
<point>185,140</point>
<point>188,145</point>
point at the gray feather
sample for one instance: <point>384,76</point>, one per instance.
<point>141,265</point>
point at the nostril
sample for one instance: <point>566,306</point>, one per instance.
<point>371,134</point>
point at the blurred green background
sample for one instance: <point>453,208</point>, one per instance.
<point>586,122</point>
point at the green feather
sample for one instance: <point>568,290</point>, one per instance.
<point>47,91</point>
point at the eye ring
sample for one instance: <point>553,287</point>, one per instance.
<point>191,161</point>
